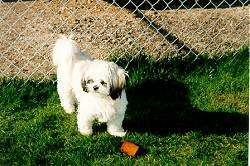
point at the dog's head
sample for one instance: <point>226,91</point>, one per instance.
<point>105,78</point>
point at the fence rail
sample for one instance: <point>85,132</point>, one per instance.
<point>159,28</point>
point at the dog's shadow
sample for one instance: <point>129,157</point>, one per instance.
<point>162,107</point>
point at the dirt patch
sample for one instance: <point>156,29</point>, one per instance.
<point>29,29</point>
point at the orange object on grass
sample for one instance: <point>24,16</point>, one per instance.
<point>130,148</point>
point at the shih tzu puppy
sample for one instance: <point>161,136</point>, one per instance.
<point>97,87</point>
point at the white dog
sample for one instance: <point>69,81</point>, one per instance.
<point>97,85</point>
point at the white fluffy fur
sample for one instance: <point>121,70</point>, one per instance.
<point>97,85</point>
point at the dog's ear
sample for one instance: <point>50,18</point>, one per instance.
<point>115,93</point>
<point>84,87</point>
<point>121,77</point>
<point>78,77</point>
<point>119,82</point>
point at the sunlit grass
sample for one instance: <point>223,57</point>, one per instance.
<point>180,111</point>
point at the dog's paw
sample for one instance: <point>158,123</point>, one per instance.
<point>69,110</point>
<point>117,133</point>
<point>86,132</point>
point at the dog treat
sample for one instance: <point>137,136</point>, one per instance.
<point>130,148</point>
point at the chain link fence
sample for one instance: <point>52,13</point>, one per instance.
<point>158,28</point>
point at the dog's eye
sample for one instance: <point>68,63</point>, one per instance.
<point>103,83</point>
<point>90,81</point>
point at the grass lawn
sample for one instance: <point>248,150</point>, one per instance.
<point>183,112</point>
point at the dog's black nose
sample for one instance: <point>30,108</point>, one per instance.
<point>95,87</point>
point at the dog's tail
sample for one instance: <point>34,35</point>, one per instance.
<point>65,51</point>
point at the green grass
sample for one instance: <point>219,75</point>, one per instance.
<point>183,112</point>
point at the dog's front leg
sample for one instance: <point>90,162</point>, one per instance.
<point>84,122</point>
<point>114,126</point>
